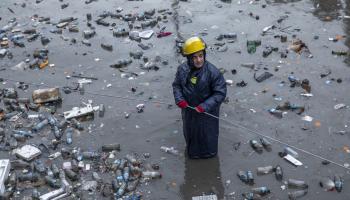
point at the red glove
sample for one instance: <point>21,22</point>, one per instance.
<point>182,104</point>
<point>200,109</point>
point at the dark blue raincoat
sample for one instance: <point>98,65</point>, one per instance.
<point>200,130</point>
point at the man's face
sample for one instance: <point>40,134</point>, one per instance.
<point>198,59</point>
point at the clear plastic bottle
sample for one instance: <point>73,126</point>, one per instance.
<point>151,174</point>
<point>261,190</point>
<point>291,152</point>
<point>264,170</point>
<point>278,173</point>
<point>338,181</point>
<point>69,134</point>
<point>256,146</point>
<point>293,183</point>
<point>297,194</point>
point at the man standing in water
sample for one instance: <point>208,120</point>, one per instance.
<point>199,88</point>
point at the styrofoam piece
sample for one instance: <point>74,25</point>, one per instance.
<point>146,34</point>
<point>77,112</point>
<point>28,152</point>
<point>293,160</point>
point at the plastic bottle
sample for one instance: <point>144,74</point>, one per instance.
<point>18,137</point>
<point>151,174</point>
<point>251,45</point>
<point>327,184</point>
<point>123,163</point>
<point>111,147</point>
<point>278,173</point>
<point>67,19</point>
<point>71,174</point>
<point>76,124</point>
<point>115,185</point>
<point>39,166</point>
<point>19,164</point>
<point>261,190</point>
<point>40,125</point>
<point>66,153</point>
<point>57,133</point>
<point>75,166</point>
<point>35,194</point>
<point>9,115</point>
<point>52,120</point>
<point>52,182</point>
<point>242,175</point>
<point>16,37</point>
<point>116,164</point>
<point>101,110</point>
<point>69,133</point>
<point>126,174</point>
<point>33,37</point>
<point>121,190</point>
<point>276,113</point>
<point>266,144</point>
<point>96,177</point>
<point>135,171</point>
<point>264,170</point>
<point>132,185</point>
<point>292,78</point>
<point>250,177</point>
<point>88,34</point>
<point>230,36</point>
<point>90,155</point>
<point>24,133</point>
<point>293,183</point>
<point>119,176</point>
<point>55,170</point>
<point>8,27</point>
<point>340,53</point>
<point>81,89</point>
<point>62,124</point>
<point>338,181</point>
<point>131,159</point>
<point>88,16</point>
<point>12,179</point>
<point>256,146</point>
<point>251,196</point>
<point>291,152</point>
<point>32,177</point>
<point>296,194</point>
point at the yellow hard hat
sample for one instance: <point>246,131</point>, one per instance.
<point>192,45</point>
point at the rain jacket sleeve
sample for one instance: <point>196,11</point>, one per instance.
<point>177,87</point>
<point>218,86</point>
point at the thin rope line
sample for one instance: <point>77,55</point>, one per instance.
<point>274,139</point>
<point>216,117</point>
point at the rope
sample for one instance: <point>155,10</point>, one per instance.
<point>274,139</point>
<point>251,131</point>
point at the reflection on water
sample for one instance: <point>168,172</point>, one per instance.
<point>327,10</point>
<point>202,176</point>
